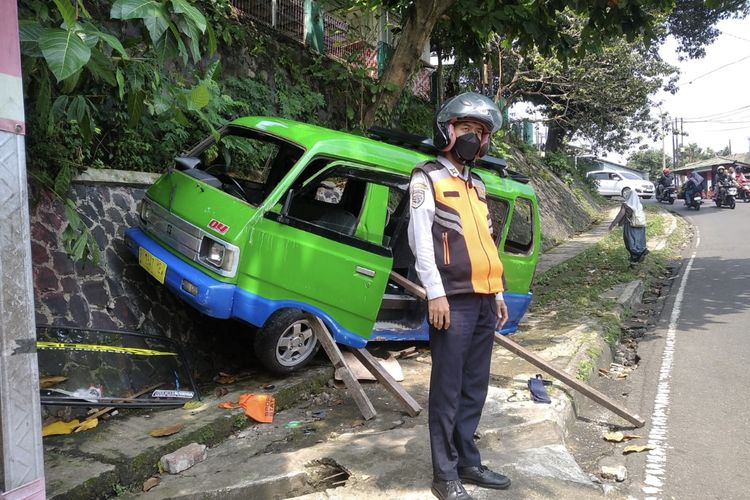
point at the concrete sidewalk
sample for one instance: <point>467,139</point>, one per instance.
<point>318,446</point>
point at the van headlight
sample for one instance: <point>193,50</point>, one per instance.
<point>146,211</point>
<point>218,255</point>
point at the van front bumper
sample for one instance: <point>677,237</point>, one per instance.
<point>212,297</point>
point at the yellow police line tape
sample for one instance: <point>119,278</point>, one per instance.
<point>102,348</point>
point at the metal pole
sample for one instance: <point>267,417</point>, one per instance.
<point>20,416</point>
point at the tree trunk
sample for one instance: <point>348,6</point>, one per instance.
<point>555,137</point>
<point>405,60</point>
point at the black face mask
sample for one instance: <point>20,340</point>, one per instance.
<point>466,148</point>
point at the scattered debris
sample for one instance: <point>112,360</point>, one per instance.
<point>634,448</point>
<point>225,378</point>
<point>616,371</point>
<point>360,372</point>
<point>184,458</point>
<point>318,415</point>
<point>151,483</point>
<point>166,431</point>
<point>220,392</point>
<point>60,428</point>
<point>193,404</point>
<point>408,353</point>
<point>259,407</point>
<point>293,424</point>
<point>269,387</point>
<point>618,437</point>
<point>619,473</point>
<point>46,382</point>
<point>228,405</point>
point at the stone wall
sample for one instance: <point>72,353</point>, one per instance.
<point>117,294</point>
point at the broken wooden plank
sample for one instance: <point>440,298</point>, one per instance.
<point>535,360</point>
<point>334,354</point>
<point>569,380</point>
<point>404,398</point>
<point>409,286</point>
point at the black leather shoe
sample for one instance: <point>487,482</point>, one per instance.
<point>484,477</point>
<point>450,490</point>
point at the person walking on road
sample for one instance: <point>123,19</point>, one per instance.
<point>450,234</point>
<point>632,218</point>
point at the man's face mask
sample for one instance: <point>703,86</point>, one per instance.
<point>466,147</point>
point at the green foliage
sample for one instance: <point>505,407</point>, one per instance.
<point>648,160</point>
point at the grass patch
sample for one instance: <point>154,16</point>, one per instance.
<point>576,288</point>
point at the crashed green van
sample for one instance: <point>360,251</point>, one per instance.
<point>272,221</point>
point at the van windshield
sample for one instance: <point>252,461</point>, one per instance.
<point>248,163</point>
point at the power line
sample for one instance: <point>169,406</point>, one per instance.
<point>747,127</point>
<point>734,36</point>
<point>717,69</point>
<point>719,114</point>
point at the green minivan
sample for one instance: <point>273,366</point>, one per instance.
<point>271,221</point>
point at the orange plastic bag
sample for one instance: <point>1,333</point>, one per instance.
<point>259,407</point>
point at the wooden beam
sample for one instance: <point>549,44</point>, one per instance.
<point>334,354</point>
<point>569,380</point>
<point>404,398</point>
<point>540,363</point>
<point>409,286</point>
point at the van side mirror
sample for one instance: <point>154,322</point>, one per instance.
<point>186,162</point>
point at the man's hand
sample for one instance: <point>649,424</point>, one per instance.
<point>502,314</point>
<point>439,313</point>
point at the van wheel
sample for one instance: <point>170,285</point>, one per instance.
<point>286,342</point>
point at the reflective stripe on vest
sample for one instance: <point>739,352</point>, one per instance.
<point>465,254</point>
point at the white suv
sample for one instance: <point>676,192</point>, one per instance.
<point>614,183</point>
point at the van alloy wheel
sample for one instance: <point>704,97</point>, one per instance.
<point>286,342</point>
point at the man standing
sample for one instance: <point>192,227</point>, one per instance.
<point>450,233</point>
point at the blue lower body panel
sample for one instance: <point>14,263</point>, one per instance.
<point>222,300</point>
<point>518,304</point>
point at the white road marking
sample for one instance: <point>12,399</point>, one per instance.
<point>657,458</point>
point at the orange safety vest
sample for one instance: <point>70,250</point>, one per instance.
<point>465,254</point>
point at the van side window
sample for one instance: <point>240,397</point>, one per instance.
<point>520,239</point>
<point>498,215</point>
<point>334,202</point>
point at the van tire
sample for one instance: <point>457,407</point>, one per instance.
<point>286,342</point>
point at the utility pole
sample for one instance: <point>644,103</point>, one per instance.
<point>663,140</point>
<point>675,153</point>
<point>20,416</point>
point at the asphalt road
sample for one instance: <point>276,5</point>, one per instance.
<point>697,374</point>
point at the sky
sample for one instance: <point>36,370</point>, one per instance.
<point>714,92</point>
<point>713,97</point>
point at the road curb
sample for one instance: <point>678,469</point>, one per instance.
<point>119,472</point>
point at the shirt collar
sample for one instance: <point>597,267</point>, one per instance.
<point>445,162</point>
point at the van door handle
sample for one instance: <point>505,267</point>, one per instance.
<point>363,270</point>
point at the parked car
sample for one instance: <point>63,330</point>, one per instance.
<point>273,221</point>
<point>614,183</point>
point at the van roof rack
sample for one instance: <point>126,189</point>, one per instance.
<point>424,145</point>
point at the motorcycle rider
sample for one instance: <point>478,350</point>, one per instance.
<point>722,182</point>
<point>692,186</point>
<point>666,180</point>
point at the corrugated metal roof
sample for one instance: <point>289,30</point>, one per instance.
<point>738,159</point>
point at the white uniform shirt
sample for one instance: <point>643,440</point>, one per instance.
<point>422,214</point>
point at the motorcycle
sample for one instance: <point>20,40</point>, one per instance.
<point>725,196</point>
<point>743,192</point>
<point>667,195</point>
<point>694,200</point>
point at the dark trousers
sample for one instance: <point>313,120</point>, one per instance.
<point>458,384</point>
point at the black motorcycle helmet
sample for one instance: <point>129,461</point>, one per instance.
<point>469,106</point>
